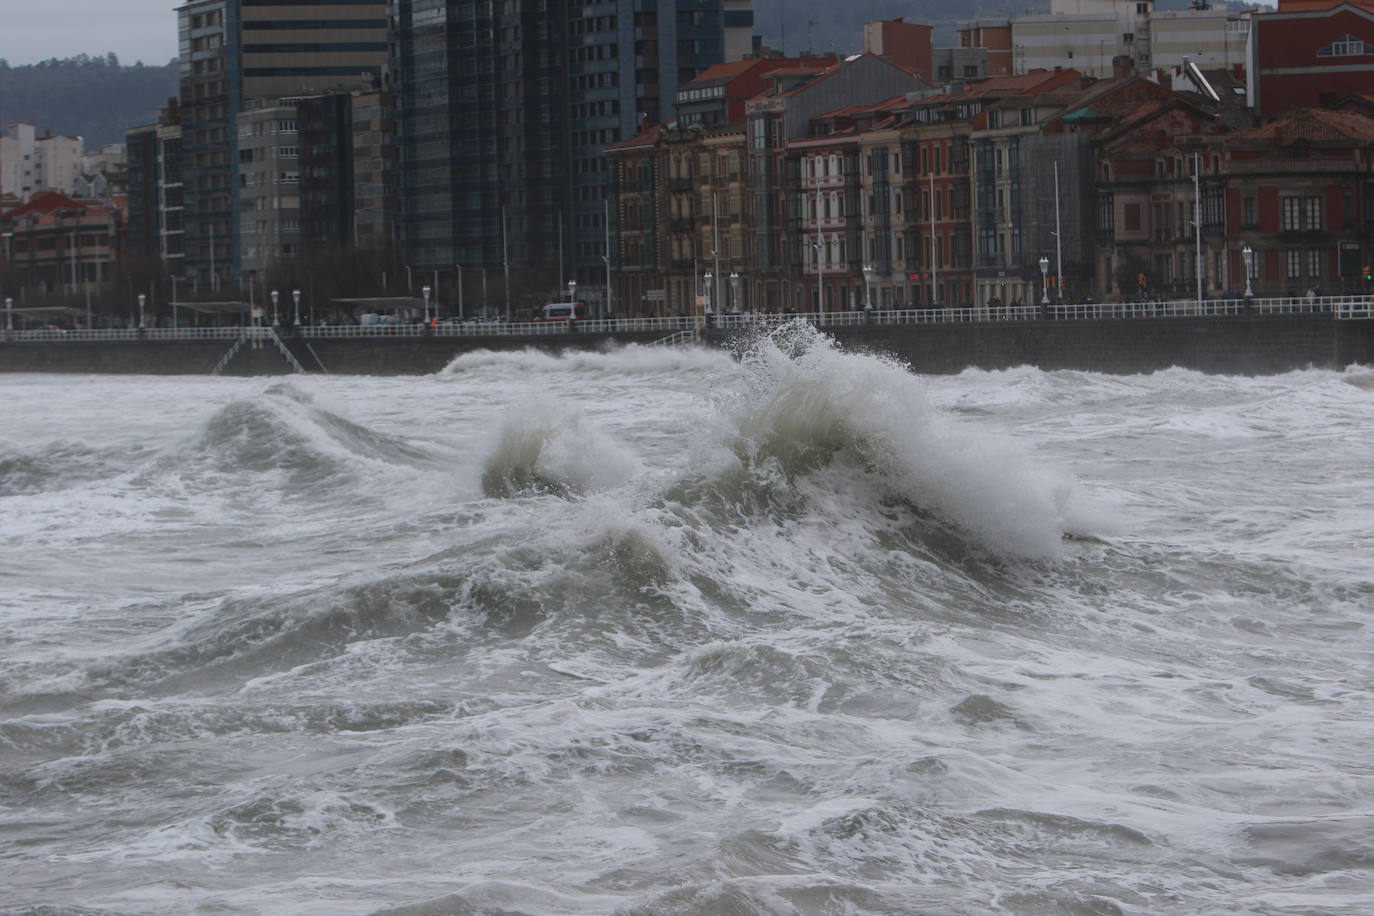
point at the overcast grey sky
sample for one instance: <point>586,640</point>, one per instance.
<point>36,30</point>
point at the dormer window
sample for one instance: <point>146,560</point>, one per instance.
<point>1347,46</point>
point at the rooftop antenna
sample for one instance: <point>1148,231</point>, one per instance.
<point>811,37</point>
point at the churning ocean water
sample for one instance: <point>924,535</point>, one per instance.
<point>650,631</point>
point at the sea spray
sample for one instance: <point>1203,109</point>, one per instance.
<point>806,403</point>
<point>550,447</point>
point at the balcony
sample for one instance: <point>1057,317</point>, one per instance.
<point>681,184</point>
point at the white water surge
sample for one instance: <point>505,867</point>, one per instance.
<point>670,632</point>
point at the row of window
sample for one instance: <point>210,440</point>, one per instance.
<point>261,155</point>
<point>262,179</point>
<point>287,224</point>
<point>207,20</point>
<point>595,109</point>
<point>592,52</point>
<point>590,24</point>
<point>1301,213</point>
<point>596,137</point>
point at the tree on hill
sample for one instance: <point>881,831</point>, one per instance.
<point>96,98</point>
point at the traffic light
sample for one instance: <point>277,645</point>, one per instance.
<point>1368,275</point>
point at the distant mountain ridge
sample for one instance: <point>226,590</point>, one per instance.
<point>95,98</point>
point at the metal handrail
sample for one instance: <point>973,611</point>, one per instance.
<point>290,357</point>
<point>1338,307</point>
<point>224,360</point>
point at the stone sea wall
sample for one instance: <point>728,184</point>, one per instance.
<point>1229,344</point>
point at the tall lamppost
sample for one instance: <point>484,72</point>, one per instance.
<point>1045,280</point>
<point>141,299</point>
<point>9,313</point>
<point>572,294</point>
<point>710,298</point>
<point>868,287</point>
<point>734,290</point>
<point>1248,255</point>
<point>275,294</point>
<point>296,295</point>
<point>425,291</point>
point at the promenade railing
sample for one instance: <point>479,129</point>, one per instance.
<point>1338,307</point>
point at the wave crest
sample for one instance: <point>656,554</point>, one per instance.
<point>809,407</point>
<point>552,448</point>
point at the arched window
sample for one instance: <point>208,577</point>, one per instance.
<point>1346,46</point>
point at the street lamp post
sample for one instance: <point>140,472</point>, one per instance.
<point>425,291</point>
<point>707,281</point>
<point>9,313</point>
<point>296,295</point>
<point>1248,255</point>
<point>275,294</point>
<point>1045,280</point>
<point>572,292</point>
<point>868,286</point>
<point>606,308</point>
<point>734,290</point>
<point>141,299</point>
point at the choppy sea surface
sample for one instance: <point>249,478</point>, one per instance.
<point>648,631</point>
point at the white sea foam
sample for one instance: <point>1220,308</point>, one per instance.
<point>270,648</point>
<point>549,445</point>
<point>810,401</point>
<point>632,359</point>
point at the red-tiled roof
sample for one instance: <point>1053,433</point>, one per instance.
<point>44,202</point>
<point>1318,126</point>
<point>646,137</point>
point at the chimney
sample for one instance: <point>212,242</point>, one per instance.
<point>1121,66</point>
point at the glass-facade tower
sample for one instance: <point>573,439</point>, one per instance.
<point>506,109</point>
<point>231,53</point>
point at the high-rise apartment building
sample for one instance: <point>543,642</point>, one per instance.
<point>155,191</point>
<point>507,108</point>
<point>30,163</point>
<point>233,52</point>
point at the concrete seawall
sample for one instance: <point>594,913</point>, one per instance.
<point>1257,345</point>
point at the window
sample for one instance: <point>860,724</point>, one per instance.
<point>1250,212</point>
<point>1292,214</point>
<point>1346,46</point>
<point>1312,213</point>
<point>1294,264</point>
<point>1161,222</point>
<point>1314,263</point>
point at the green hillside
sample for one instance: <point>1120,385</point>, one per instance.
<point>92,97</point>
